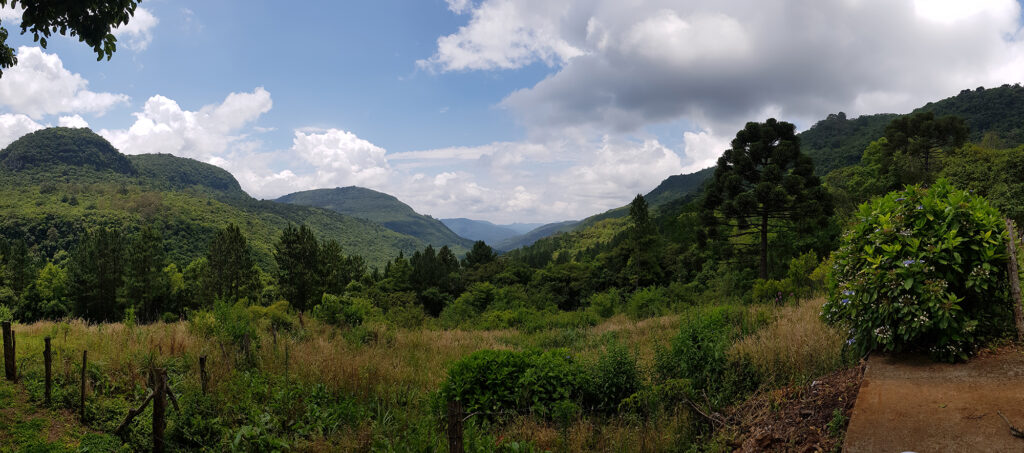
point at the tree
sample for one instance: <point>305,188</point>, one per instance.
<point>764,184</point>
<point>337,269</point>
<point>921,139</point>
<point>92,21</point>
<point>643,267</point>
<point>297,253</point>
<point>95,268</point>
<point>481,253</point>
<point>145,283</point>
<point>231,272</point>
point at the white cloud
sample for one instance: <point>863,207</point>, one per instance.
<point>504,34</point>
<point>138,32</point>
<point>623,66</point>
<point>39,85</point>
<point>703,150</point>
<point>11,14</point>
<point>72,121</point>
<point>164,127</point>
<point>13,126</point>
<point>459,6</point>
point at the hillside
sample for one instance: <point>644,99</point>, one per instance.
<point>383,209</point>
<point>58,182</point>
<point>838,141</point>
<point>480,230</point>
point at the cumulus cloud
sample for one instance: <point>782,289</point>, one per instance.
<point>497,36</point>
<point>138,32</point>
<point>164,127</point>
<point>13,126</point>
<point>720,63</point>
<point>72,121</point>
<point>39,85</point>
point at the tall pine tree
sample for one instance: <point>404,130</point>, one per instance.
<point>297,253</point>
<point>231,274</point>
<point>145,283</point>
<point>95,269</point>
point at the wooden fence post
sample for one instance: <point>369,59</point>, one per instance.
<point>159,408</point>
<point>455,427</point>
<point>1011,267</point>
<point>47,362</point>
<point>81,402</point>
<point>9,367</point>
<point>203,378</point>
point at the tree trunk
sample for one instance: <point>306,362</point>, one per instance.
<point>763,268</point>
<point>9,369</point>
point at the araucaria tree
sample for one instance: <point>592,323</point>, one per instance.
<point>764,185</point>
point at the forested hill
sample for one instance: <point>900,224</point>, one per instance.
<point>837,141</point>
<point>993,113</point>
<point>383,209</point>
<point>57,183</point>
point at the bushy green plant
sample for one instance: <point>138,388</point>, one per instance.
<point>613,377</point>
<point>647,303</point>
<point>552,377</point>
<point>921,270</point>
<point>606,303</point>
<point>700,353</point>
<point>487,381</point>
<point>346,311</point>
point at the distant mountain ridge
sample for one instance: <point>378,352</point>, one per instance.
<point>480,230</point>
<point>56,183</point>
<point>381,208</point>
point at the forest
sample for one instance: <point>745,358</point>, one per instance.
<point>651,325</point>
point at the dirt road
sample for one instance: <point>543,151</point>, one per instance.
<point>913,404</point>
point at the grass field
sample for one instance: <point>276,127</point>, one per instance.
<point>319,388</point>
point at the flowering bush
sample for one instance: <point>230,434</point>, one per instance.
<point>923,269</point>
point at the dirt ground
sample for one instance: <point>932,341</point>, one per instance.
<point>909,403</point>
<point>796,419</point>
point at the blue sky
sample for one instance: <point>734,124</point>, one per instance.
<point>504,110</point>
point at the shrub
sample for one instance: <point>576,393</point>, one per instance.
<point>921,270</point>
<point>605,304</point>
<point>700,352</point>
<point>486,381</point>
<point>647,303</point>
<point>613,377</point>
<point>772,291</point>
<point>552,377</point>
<point>345,311</point>
<point>277,314</point>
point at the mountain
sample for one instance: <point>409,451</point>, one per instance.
<point>481,230</point>
<point>535,235</point>
<point>837,142</point>
<point>522,228</point>
<point>58,182</point>
<point>998,113</point>
<point>62,150</point>
<point>383,209</point>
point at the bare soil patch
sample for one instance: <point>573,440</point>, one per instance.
<point>908,403</point>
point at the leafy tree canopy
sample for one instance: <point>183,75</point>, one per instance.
<point>91,21</point>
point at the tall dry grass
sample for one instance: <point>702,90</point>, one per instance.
<point>796,346</point>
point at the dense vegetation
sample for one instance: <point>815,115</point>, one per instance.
<point>639,327</point>
<point>58,183</point>
<point>383,209</point>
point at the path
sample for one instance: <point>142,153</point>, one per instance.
<point>913,404</point>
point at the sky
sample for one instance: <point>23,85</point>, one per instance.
<point>499,110</point>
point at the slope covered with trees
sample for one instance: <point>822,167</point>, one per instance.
<point>380,208</point>
<point>58,183</point>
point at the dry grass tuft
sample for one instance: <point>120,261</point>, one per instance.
<point>795,347</point>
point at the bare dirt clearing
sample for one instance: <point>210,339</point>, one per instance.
<point>908,403</point>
